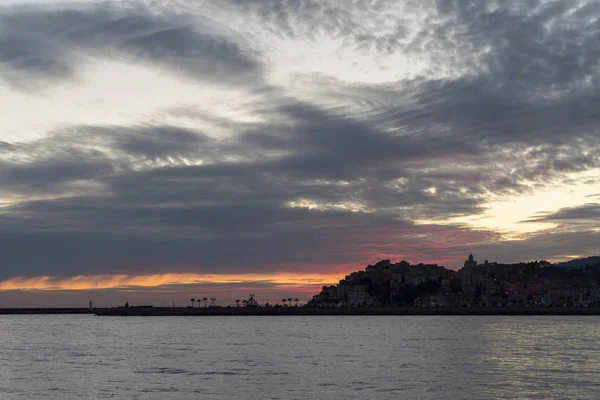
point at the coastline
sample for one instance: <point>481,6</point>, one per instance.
<point>374,311</point>
<point>302,311</point>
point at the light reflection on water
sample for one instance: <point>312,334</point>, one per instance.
<point>415,357</point>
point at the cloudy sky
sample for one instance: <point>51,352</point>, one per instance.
<point>157,150</point>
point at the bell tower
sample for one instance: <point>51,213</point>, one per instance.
<point>470,262</point>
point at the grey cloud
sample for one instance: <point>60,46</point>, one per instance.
<point>311,20</point>
<point>29,63</point>
<point>553,43</point>
<point>191,213</point>
<point>540,73</point>
<point>534,79</point>
<point>298,18</point>
<point>237,241</point>
<point>433,133</point>
<point>47,41</point>
<point>168,198</point>
<point>49,167</point>
<point>473,112</point>
<point>5,146</point>
<point>559,246</point>
<point>588,213</point>
<point>50,172</point>
<point>241,240</point>
<point>155,141</point>
<point>526,113</point>
<point>198,54</point>
<point>93,153</point>
<point>574,231</point>
<point>336,142</point>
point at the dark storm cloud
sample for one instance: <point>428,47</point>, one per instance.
<point>159,239</point>
<point>101,237</point>
<point>165,198</point>
<point>221,216</point>
<point>46,43</point>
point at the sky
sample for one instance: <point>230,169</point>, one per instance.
<point>153,151</point>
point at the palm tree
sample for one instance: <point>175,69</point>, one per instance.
<point>198,301</point>
<point>192,300</point>
<point>204,298</point>
<point>290,301</point>
<point>297,301</point>
<point>212,301</point>
<point>244,302</point>
<point>237,302</point>
<point>283,301</point>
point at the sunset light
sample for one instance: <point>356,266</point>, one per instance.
<point>97,282</point>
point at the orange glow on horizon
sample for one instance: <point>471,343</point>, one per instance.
<point>99,282</point>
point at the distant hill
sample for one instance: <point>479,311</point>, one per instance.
<point>580,262</point>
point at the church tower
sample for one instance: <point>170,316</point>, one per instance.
<point>470,262</point>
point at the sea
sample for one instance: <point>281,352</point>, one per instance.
<point>296,357</point>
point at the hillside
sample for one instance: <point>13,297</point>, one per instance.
<point>580,262</point>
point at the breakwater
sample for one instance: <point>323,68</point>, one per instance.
<point>306,311</point>
<point>14,311</point>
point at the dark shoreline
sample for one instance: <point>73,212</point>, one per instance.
<point>302,311</point>
<point>292,311</point>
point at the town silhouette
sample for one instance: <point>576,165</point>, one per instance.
<point>537,287</point>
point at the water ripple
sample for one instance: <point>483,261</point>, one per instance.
<point>72,357</point>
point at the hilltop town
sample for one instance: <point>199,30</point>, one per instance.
<point>487,284</point>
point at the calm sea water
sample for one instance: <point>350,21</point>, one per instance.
<point>87,357</point>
